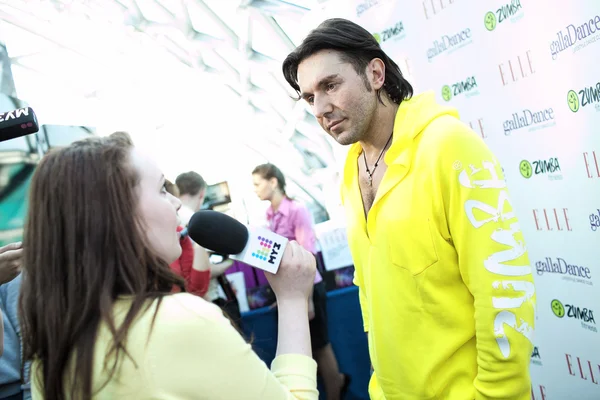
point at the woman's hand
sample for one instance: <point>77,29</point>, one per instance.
<point>10,261</point>
<point>295,277</point>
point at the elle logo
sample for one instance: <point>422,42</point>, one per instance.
<point>591,161</point>
<point>538,392</point>
<point>519,68</point>
<point>477,126</point>
<point>585,369</point>
<point>434,7</point>
<point>405,65</point>
<point>553,219</point>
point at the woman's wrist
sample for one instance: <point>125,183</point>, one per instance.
<point>293,326</point>
<point>292,301</point>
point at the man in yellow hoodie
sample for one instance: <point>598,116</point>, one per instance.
<point>444,279</point>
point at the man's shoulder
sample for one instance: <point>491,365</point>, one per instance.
<point>445,130</point>
<point>448,136</point>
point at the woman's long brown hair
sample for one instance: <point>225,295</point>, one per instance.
<point>83,248</point>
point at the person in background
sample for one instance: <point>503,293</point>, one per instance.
<point>193,264</point>
<point>99,215</point>
<point>291,219</point>
<point>13,385</point>
<point>445,283</point>
<point>192,189</point>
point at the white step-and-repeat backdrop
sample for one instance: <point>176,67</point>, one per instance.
<point>525,74</point>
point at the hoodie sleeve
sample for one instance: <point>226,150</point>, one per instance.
<point>493,263</point>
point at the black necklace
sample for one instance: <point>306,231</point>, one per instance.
<point>376,162</point>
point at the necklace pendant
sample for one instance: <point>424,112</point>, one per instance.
<point>370,180</point>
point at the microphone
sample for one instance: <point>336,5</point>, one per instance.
<point>183,233</point>
<point>16,123</point>
<point>222,234</point>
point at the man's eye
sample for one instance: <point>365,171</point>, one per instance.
<point>331,86</point>
<point>311,99</point>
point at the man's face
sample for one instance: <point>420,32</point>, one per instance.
<point>338,96</point>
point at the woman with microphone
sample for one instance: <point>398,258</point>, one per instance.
<point>99,318</point>
<point>291,219</point>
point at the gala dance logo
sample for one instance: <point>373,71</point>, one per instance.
<point>366,5</point>
<point>569,272</point>
<point>533,120</point>
<point>595,220</point>
<point>449,43</point>
<point>576,36</point>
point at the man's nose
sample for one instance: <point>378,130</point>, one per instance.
<point>322,106</point>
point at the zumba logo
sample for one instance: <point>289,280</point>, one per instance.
<point>395,32</point>
<point>584,97</point>
<point>538,167</point>
<point>491,19</point>
<point>535,356</point>
<point>557,308</point>
<point>585,315</point>
<point>467,86</point>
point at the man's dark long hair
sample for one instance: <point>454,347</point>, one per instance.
<point>357,47</point>
<point>83,248</point>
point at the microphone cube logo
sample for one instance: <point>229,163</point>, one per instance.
<point>267,250</point>
<point>262,253</point>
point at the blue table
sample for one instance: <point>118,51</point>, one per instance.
<point>345,331</point>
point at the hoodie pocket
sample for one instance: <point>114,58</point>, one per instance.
<point>415,251</point>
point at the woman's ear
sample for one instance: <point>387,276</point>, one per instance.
<point>274,183</point>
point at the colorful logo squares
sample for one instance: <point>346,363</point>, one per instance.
<point>265,248</point>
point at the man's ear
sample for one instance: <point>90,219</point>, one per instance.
<point>376,70</point>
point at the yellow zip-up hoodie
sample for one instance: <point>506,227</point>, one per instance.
<point>444,279</point>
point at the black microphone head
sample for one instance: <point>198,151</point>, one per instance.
<point>218,232</point>
<point>20,122</point>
